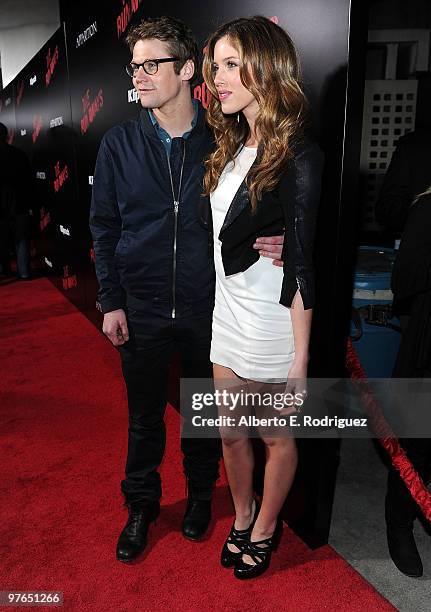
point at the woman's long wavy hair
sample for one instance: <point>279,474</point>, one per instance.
<point>270,70</point>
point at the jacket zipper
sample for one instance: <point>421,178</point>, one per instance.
<point>176,202</point>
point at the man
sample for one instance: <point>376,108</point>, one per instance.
<point>411,285</point>
<point>16,202</point>
<point>408,175</point>
<point>155,267</point>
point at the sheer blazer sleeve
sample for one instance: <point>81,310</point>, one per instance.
<point>299,195</point>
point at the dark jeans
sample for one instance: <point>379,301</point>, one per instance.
<point>145,363</point>
<point>400,508</point>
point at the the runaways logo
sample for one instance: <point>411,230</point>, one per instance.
<point>86,34</point>
<point>90,108</point>
<point>61,176</point>
<point>203,94</point>
<point>37,126</point>
<point>124,18</point>
<point>45,218</point>
<point>69,280</point>
<point>51,63</point>
<point>92,255</point>
<point>19,92</point>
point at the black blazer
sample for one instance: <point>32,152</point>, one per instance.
<point>291,208</point>
<point>408,174</point>
<point>411,284</point>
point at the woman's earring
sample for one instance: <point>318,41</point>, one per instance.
<point>237,118</point>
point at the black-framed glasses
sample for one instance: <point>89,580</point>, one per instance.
<point>150,66</point>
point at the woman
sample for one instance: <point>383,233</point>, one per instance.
<point>264,176</point>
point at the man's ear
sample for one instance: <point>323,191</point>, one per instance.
<point>188,70</point>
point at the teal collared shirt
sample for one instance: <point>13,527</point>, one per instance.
<point>162,133</point>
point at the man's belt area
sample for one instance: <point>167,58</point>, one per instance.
<point>154,304</point>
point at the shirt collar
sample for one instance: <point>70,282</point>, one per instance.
<point>194,120</point>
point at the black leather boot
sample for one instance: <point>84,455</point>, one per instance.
<point>403,550</point>
<point>400,513</point>
<point>198,512</point>
<point>133,538</point>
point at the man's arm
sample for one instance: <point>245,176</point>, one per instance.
<point>411,273</point>
<point>105,226</point>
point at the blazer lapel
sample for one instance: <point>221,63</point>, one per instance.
<point>240,201</point>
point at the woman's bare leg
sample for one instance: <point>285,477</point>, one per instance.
<point>280,467</point>
<point>238,456</point>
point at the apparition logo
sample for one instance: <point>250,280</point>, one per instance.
<point>86,34</point>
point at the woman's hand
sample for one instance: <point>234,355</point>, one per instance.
<point>296,386</point>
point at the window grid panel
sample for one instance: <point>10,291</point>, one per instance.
<point>389,112</point>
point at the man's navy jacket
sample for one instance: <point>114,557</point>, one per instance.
<point>139,262</point>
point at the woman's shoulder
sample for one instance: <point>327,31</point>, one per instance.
<point>306,157</point>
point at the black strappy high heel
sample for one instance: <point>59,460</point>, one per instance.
<point>239,538</point>
<point>261,555</point>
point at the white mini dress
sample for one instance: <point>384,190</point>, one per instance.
<point>251,331</point>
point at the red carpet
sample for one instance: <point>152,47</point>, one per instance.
<point>63,423</point>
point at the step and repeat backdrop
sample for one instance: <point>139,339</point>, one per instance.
<point>58,108</point>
